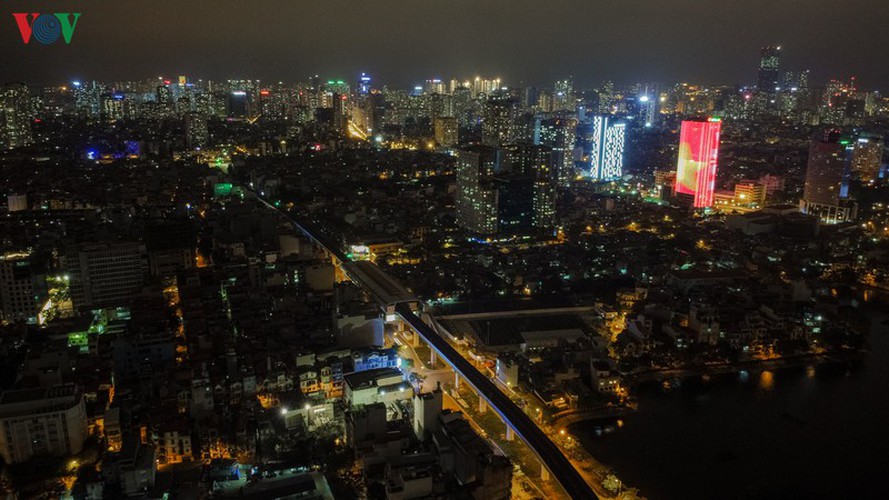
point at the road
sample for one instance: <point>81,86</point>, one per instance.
<point>546,450</point>
<point>591,470</point>
<point>522,485</point>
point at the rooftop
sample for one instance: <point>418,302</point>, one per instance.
<point>369,378</point>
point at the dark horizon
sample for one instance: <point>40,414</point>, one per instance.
<point>402,43</point>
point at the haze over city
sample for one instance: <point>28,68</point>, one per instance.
<point>403,42</point>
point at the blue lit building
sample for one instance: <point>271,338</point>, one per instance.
<point>364,84</point>
<point>372,358</point>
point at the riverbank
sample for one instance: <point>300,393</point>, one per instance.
<point>794,361</point>
<point>788,428</point>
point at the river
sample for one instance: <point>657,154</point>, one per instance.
<point>801,433</point>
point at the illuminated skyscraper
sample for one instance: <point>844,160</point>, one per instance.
<point>435,86</point>
<point>796,80</point>
<point>164,99</point>
<point>438,105</point>
<point>464,107</point>
<point>560,134</point>
<point>768,69</point>
<point>647,101</point>
<point>445,131</point>
<point>114,106</point>
<point>607,154</point>
<point>563,95</point>
<point>15,116</point>
<point>606,98</point>
<point>484,86</point>
<point>364,84</point>
<point>827,175</point>
<point>867,157</point>
<point>498,122</point>
<point>197,134</point>
<point>238,104</point>
<point>698,153</point>
<point>476,200</point>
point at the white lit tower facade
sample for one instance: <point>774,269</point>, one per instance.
<point>607,152</point>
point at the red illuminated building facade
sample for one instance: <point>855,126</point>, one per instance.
<point>698,151</point>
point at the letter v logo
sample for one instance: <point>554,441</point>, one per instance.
<point>68,25</point>
<point>21,19</point>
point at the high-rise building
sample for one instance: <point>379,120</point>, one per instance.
<point>164,99</point>
<point>446,131</point>
<point>464,107</point>
<point>536,162</point>
<point>827,174</point>
<point>607,153</point>
<point>276,104</point>
<point>515,202</point>
<point>435,86</point>
<point>606,97</point>
<point>698,155</point>
<point>769,61</point>
<point>647,101</point>
<point>15,116</point>
<point>238,104</point>
<point>105,274</point>
<point>45,421</point>
<point>364,84</point>
<point>796,80</point>
<point>197,135</point>
<point>498,122</point>
<point>427,407</point>
<point>439,105</point>
<point>22,287</point>
<point>563,95</point>
<point>476,200</point>
<point>114,106</point>
<point>840,103</point>
<point>560,134</point>
<point>483,86</point>
<point>867,157</point>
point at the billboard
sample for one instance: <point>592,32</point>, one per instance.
<point>696,168</point>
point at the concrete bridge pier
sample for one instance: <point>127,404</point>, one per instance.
<point>510,434</point>
<point>482,406</point>
<point>544,473</point>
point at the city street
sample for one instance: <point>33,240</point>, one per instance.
<point>489,426</point>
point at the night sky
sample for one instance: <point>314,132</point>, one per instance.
<point>405,42</point>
